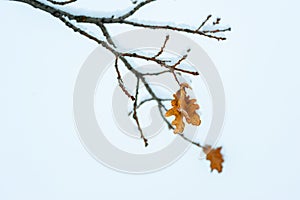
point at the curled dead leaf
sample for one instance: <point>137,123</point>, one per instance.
<point>215,157</point>
<point>183,107</point>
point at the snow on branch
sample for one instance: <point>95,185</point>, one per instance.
<point>182,106</point>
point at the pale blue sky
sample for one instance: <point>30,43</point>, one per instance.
<point>42,157</point>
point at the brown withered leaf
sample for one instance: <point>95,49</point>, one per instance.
<point>215,157</point>
<point>183,107</point>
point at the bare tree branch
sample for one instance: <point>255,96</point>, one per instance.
<point>72,21</point>
<point>109,20</point>
<point>173,28</point>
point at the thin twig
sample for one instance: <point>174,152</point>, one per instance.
<point>117,68</point>
<point>120,81</point>
<point>204,22</point>
<point>156,73</point>
<point>61,3</point>
<point>135,117</point>
<point>168,27</point>
<point>126,92</point>
<point>187,71</point>
<point>161,62</point>
<point>191,141</point>
<point>136,8</point>
<point>179,61</point>
<point>217,30</point>
<point>163,47</point>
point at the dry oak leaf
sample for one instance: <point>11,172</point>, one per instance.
<point>183,107</point>
<point>215,157</point>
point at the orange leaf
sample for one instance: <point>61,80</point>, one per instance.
<point>215,157</point>
<point>183,107</point>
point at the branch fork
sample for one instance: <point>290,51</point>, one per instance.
<point>72,21</point>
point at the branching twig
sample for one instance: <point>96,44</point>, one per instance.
<point>106,34</point>
<point>71,20</point>
<point>119,20</point>
<point>163,63</point>
<point>173,28</point>
<point>147,100</point>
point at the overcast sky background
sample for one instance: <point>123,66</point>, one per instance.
<point>41,154</point>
